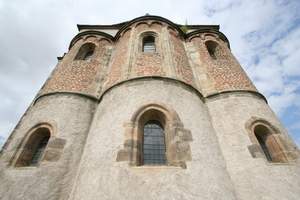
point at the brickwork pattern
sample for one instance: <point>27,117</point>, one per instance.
<point>150,64</point>
<point>154,26</point>
<point>77,75</point>
<point>119,59</point>
<point>181,60</point>
<point>227,74</point>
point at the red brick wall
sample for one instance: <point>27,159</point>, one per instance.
<point>180,58</point>
<point>149,63</point>
<point>77,75</point>
<point>119,59</point>
<point>226,71</point>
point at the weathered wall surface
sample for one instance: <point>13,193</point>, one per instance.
<point>224,73</point>
<point>74,74</point>
<point>50,180</point>
<point>205,176</point>
<point>254,178</point>
<point>81,157</point>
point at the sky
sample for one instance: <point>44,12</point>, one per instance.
<point>264,36</point>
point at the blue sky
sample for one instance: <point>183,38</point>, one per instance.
<point>264,36</point>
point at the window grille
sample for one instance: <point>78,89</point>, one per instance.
<point>154,152</point>
<point>149,44</point>
<point>88,56</point>
<point>39,151</point>
<point>265,148</point>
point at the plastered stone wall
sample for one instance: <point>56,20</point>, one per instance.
<point>51,179</point>
<point>253,178</point>
<point>205,176</point>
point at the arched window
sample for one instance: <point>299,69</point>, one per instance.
<point>34,149</point>
<point>86,52</point>
<point>149,44</point>
<point>154,151</point>
<point>269,142</point>
<point>265,139</point>
<point>157,137</point>
<point>39,151</point>
<point>88,56</point>
<point>211,46</point>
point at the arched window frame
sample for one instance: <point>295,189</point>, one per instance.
<point>177,138</point>
<point>86,52</point>
<point>23,153</point>
<point>271,141</point>
<point>148,37</point>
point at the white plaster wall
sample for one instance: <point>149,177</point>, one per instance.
<point>101,177</point>
<point>253,178</point>
<point>50,180</point>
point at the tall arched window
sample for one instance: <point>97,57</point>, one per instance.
<point>149,44</point>
<point>34,149</point>
<point>157,138</point>
<point>265,139</point>
<point>154,151</point>
<point>269,142</point>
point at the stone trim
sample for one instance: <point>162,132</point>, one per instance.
<point>227,93</point>
<point>82,95</point>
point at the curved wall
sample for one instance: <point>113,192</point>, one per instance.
<point>205,176</point>
<point>252,174</point>
<point>58,168</point>
<point>77,75</point>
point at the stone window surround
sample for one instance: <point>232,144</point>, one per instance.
<point>51,153</point>
<point>279,148</point>
<point>177,138</point>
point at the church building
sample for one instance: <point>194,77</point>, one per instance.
<point>149,109</point>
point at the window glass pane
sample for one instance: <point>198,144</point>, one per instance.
<point>39,151</point>
<point>154,144</point>
<point>149,44</point>
<point>88,56</point>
